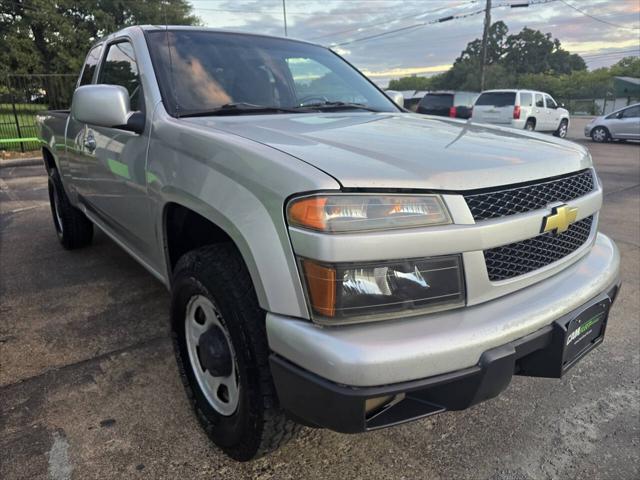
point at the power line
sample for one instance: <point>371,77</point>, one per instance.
<point>610,53</point>
<point>596,18</point>
<point>432,22</point>
<point>386,21</point>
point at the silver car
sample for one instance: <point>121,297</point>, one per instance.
<point>623,124</point>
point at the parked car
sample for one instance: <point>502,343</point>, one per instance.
<point>623,124</point>
<point>447,104</point>
<point>412,99</point>
<point>523,109</point>
<point>332,259</point>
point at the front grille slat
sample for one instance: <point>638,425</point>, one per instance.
<point>515,259</point>
<point>513,200</point>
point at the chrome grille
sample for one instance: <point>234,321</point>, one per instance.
<point>520,199</point>
<point>518,258</point>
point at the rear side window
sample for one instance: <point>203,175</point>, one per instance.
<point>437,100</point>
<point>497,99</point>
<point>90,65</point>
<point>539,100</point>
<point>526,99</point>
<point>633,112</point>
<point>120,68</point>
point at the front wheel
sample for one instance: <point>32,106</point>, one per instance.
<point>221,347</point>
<point>600,135</point>
<point>562,130</point>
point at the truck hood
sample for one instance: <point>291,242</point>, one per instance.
<point>404,150</point>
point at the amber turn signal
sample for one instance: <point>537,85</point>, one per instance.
<point>321,287</point>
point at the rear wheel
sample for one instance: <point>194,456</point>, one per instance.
<point>530,125</point>
<point>562,129</point>
<point>221,347</point>
<point>73,228</point>
<point>600,135</point>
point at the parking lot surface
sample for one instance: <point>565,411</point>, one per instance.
<point>89,387</point>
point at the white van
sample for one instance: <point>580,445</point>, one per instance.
<point>524,109</point>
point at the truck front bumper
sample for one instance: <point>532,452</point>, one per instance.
<point>442,361</point>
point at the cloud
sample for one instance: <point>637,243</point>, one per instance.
<point>430,48</point>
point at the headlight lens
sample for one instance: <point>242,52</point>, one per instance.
<point>355,292</point>
<point>357,213</point>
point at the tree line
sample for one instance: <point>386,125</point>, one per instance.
<point>528,59</point>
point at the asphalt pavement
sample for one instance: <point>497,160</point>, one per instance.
<point>89,387</point>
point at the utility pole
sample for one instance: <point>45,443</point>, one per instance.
<point>485,39</point>
<point>284,14</point>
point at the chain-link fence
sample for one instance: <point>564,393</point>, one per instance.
<point>21,98</point>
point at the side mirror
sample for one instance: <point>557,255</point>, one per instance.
<point>397,97</point>
<point>106,106</point>
<point>619,115</point>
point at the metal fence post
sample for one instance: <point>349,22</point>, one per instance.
<point>15,116</point>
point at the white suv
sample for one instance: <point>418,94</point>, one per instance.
<point>524,109</point>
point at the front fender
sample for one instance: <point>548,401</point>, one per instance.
<point>241,186</point>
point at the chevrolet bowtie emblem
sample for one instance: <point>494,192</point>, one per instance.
<point>560,219</point>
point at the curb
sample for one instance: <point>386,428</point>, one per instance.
<point>20,162</point>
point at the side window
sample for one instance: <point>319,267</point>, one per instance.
<point>551,103</point>
<point>90,65</point>
<point>539,101</point>
<point>633,112</point>
<point>526,99</point>
<point>120,68</point>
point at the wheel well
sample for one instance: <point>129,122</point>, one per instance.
<point>186,230</point>
<point>532,120</point>
<point>49,162</point>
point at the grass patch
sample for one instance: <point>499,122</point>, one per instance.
<point>26,115</point>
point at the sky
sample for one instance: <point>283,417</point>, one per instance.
<point>363,31</point>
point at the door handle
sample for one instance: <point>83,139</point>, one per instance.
<point>90,142</point>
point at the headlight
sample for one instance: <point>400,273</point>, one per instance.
<point>357,292</point>
<point>357,213</point>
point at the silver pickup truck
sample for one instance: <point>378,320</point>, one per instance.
<point>333,260</point>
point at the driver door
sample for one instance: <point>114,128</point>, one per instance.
<point>115,160</point>
<point>553,116</point>
<point>629,126</point>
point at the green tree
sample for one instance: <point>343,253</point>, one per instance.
<point>509,57</point>
<point>410,83</point>
<point>47,36</point>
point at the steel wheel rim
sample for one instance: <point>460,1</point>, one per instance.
<point>213,388</point>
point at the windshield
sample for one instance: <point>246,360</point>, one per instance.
<point>497,99</point>
<point>208,70</point>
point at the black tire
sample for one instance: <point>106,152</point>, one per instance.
<point>562,130</point>
<point>258,425</point>
<point>530,125</point>
<point>600,135</point>
<point>73,228</point>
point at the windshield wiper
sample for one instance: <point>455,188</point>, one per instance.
<point>338,106</point>
<point>240,108</point>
